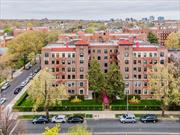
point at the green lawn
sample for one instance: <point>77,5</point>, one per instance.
<point>28,102</point>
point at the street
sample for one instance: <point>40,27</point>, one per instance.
<point>9,92</point>
<point>108,127</point>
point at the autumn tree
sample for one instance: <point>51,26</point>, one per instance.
<point>152,38</point>
<point>27,45</point>
<point>115,83</point>
<point>164,85</point>
<point>52,131</point>
<point>43,91</point>
<point>78,130</point>
<point>173,40</point>
<point>96,77</point>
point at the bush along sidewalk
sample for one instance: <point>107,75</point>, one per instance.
<point>24,104</point>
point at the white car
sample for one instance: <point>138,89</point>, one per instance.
<point>59,119</point>
<point>24,82</point>
<point>128,118</point>
<point>2,101</point>
<point>5,86</point>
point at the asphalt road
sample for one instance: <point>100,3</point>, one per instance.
<point>108,127</point>
<point>9,92</point>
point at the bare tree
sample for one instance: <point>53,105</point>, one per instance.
<point>8,123</point>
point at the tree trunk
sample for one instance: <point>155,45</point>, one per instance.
<point>163,112</point>
<point>47,108</point>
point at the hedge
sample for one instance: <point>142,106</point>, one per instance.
<point>135,107</point>
<point>61,108</point>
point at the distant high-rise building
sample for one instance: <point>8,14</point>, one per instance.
<point>160,18</point>
<point>151,18</point>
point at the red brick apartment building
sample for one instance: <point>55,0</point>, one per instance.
<point>69,62</point>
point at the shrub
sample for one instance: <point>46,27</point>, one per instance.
<point>76,100</point>
<point>134,100</point>
<point>78,96</point>
<point>131,96</point>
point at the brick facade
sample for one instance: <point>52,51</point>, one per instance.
<point>69,63</point>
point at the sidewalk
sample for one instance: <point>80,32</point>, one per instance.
<point>104,114</point>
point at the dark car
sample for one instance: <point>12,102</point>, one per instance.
<point>75,119</point>
<point>17,90</point>
<point>149,118</point>
<point>40,120</point>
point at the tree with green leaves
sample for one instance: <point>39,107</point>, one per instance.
<point>43,92</point>
<point>27,45</point>
<point>8,30</point>
<point>78,130</point>
<point>52,131</point>
<point>173,40</point>
<point>152,38</point>
<point>96,77</point>
<point>164,85</point>
<point>115,82</point>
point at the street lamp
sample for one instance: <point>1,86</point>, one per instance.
<point>127,104</point>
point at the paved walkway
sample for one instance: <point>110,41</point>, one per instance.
<point>103,114</point>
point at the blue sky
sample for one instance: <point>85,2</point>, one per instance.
<point>88,9</point>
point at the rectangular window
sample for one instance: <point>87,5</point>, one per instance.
<point>63,55</point>
<point>52,62</point>
<point>99,57</point>
<point>139,69</point>
<point>126,54</point>
<point>57,69</point>
<point>69,76</point>
<point>161,54</point>
<point>69,55</point>
<point>134,61</point>
<point>73,55</point>
<point>81,84</point>
<point>81,69</point>
<point>134,68</point>
<point>105,57</point>
<point>69,69</point>
<point>69,62</point>
<point>63,69</point>
<point>105,51</point>
<point>73,77</point>
<point>81,76</point>
<point>63,62</point>
<point>46,54</point>
<point>126,76</point>
<point>81,61</point>
<point>99,51</point>
<point>73,70</point>
<point>46,62</point>
<point>126,62</point>
<point>105,64</point>
<point>57,62</point>
<point>126,69</point>
<point>53,55</point>
<point>161,61</point>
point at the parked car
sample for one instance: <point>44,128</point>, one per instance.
<point>5,86</point>
<point>2,101</point>
<point>128,118</point>
<point>40,120</point>
<point>24,82</point>
<point>17,89</point>
<point>75,119</point>
<point>149,118</point>
<point>27,67</point>
<point>59,119</point>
